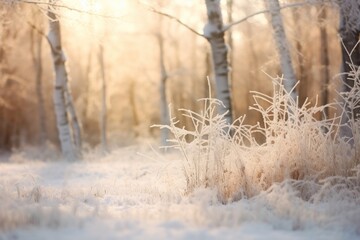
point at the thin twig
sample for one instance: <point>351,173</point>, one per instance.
<point>67,8</point>
<point>150,8</point>
<point>226,27</point>
<point>39,31</point>
<point>230,25</point>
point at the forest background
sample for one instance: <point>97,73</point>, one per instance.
<point>125,44</point>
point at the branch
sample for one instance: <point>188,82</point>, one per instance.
<point>39,31</point>
<point>39,2</point>
<point>230,25</point>
<point>51,4</point>
<point>173,18</point>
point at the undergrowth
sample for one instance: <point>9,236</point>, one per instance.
<point>311,155</point>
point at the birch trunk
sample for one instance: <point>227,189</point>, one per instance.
<point>60,87</point>
<point>282,46</point>
<point>103,115</point>
<point>214,33</point>
<point>74,121</point>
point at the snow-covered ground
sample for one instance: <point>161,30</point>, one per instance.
<point>135,193</point>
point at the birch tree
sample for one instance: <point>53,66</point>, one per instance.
<point>74,121</point>
<point>282,46</point>
<point>62,97</point>
<point>214,33</point>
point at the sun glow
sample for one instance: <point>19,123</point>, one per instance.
<point>99,7</point>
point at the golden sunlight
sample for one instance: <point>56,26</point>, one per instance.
<point>165,119</point>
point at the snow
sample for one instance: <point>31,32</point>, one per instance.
<point>136,193</point>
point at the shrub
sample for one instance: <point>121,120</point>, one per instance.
<point>308,153</point>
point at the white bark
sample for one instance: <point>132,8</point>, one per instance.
<point>213,31</point>
<point>75,126</point>
<point>61,80</point>
<point>282,46</point>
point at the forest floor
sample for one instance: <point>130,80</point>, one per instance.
<point>136,193</point>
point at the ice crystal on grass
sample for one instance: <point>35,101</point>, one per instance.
<point>299,149</point>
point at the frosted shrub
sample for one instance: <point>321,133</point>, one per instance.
<point>211,157</point>
<point>300,149</point>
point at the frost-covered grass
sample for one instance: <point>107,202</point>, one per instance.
<point>308,154</point>
<point>126,195</point>
<point>303,182</point>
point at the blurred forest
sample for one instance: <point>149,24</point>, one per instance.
<point>122,42</point>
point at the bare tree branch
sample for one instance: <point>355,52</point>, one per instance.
<point>39,31</point>
<point>61,6</point>
<point>172,18</point>
<point>230,25</point>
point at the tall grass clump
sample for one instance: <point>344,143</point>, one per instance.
<point>298,149</point>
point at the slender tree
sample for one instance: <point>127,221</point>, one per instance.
<point>214,33</point>
<point>62,96</point>
<point>282,46</point>
<point>229,10</point>
<point>324,59</point>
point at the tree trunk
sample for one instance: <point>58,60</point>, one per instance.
<point>36,51</point>
<point>74,121</point>
<point>229,7</point>
<point>282,46</point>
<point>194,85</point>
<point>134,108</point>
<point>61,81</point>
<point>213,31</point>
<point>208,73</point>
<point>349,34</point>
<point>324,60</point>
<point>253,61</point>
<point>303,90</point>
<point>165,117</point>
<point>87,75</point>
<point>103,116</point>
